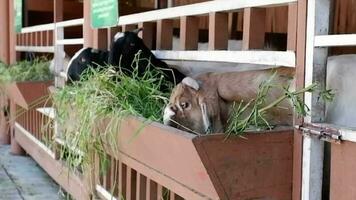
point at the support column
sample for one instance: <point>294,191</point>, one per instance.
<point>315,71</point>
<point>16,149</point>
<point>254,28</point>
<point>12,32</point>
<point>218,31</point>
<point>4,31</point>
<point>87,30</point>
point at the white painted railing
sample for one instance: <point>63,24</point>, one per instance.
<point>335,40</point>
<point>56,27</point>
<point>199,9</point>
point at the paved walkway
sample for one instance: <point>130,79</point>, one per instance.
<point>22,179</point>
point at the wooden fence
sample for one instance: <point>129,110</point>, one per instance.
<point>145,177</point>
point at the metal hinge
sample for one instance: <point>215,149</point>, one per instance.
<point>320,131</point>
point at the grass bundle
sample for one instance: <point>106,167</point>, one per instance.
<point>251,115</point>
<point>35,70</point>
<point>104,93</point>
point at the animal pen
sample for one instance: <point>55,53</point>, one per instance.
<point>287,163</point>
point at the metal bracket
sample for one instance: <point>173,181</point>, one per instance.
<point>320,131</point>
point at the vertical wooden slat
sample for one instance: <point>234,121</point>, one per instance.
<point>292,27</point>
<point>300,69</point>
<point>128,182</point>
<point>147,33</point>
<point>87,30</point>
<point>120,187</point>
<point>171,195</point>
<point>138,186</point>
<point>129,27</point>
<point>4,31</point>
<point>148,188</point>
<point>159,192</point>
<point>12,33</point>
<point>189,33</point>
<point>44,38</point>
<point>254,28</point>
<point>33,39</point>
<point>153,193</point>
<point>110,35</point>
<point>218,31</point>
<point>100,38</point>
<point>164,34</point>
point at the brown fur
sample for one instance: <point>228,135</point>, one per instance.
<point>218,90</point>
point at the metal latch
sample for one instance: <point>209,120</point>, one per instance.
<point>323,132</point>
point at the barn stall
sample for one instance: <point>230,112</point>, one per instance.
<point>141,171</point>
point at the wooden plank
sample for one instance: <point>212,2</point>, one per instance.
<point>159,192</point>
<point>45,49</point>
<point>189,33</point>
<point>103,193</point>
<point>273,58</point>
<point>300,68</point>
<point>147,33</point>
<point>218,31</point>
<point>71,182</point>
<point>128,27</point>
<point>164,34</point>
<point>335,40</point>
<point>254,28</point>
<point>87,30</point>
<point>128,182</point>
<point>343,174</point>
<point>292,27</point>
<point>4,31</point>
<point>12,33</point>
<point>198,9</point>
<point>315,71</point>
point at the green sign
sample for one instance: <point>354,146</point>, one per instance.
<point>18,15</point>
<point>104,13</point>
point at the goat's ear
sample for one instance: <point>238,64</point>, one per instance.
<point>190,82</point>
<point>137,31</point>
<point>118,35</point>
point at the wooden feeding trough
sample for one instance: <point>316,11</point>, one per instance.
<point>256,166</point>
<point>25,97</point>
<point>26,93</point>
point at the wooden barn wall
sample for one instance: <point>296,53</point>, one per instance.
<point>344,22</point>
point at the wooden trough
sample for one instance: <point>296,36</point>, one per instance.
<point>256,166</point>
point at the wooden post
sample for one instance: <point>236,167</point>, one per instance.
<point>87,30</point>
<point>147,33</point>
<point>292,27</point>
<point>164,34</point>
<point>189,33</point>
<point>254,28</point>
<point>300,69</point>
<point>100,38</point>
<point>15,149</point>
<point>4,31</point>
<point>315,71</point>
<point>218,31</point>
<point>12,33</point>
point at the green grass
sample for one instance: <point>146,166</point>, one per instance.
<point>251,115</point>
<point>105,94</point>
<point>36,70</point>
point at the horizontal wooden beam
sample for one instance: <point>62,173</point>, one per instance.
<point>70,41</point>
<point>198,9</point>
<point>70,181</point>
<point>335,40</point>
<point>38,49</point>
<point>273,58</point>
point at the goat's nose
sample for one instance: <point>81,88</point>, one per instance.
<point>173,108</point>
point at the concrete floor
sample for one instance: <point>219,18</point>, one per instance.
<point>21,178</point>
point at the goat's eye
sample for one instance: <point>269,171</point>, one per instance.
<point>132,44</point>
<point>83,60</point>
<point>184,105</point>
